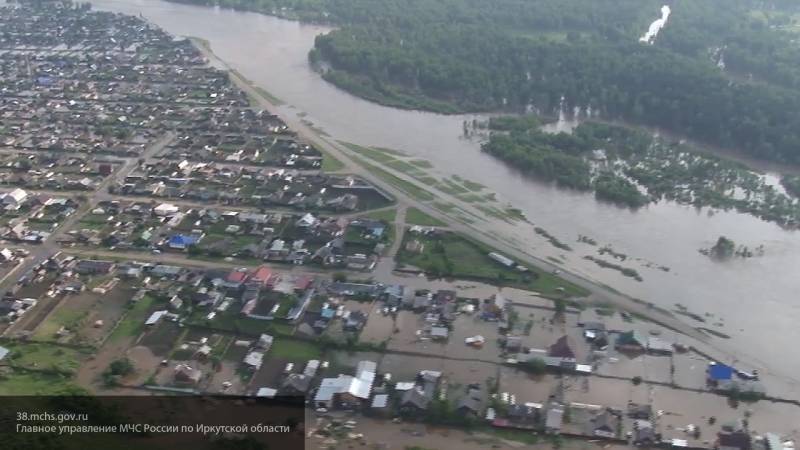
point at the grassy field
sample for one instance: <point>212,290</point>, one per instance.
<point>409,188</point>
<point>386,215</point>
<point>45,357</point>
<point>32,383</point>
<point>330,163</point>
<point>133,322</point>
<point>295,350</point>
<point>375,155</point>
<point>61,317</point>
<point>453,256</point>
<point>417,217</point>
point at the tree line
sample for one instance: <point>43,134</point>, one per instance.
<point>514,55</point>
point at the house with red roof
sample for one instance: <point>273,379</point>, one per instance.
<point>261,275</point>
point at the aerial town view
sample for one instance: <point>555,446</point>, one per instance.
<point>179,217</point>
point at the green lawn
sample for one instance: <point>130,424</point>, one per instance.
<point>409,188</point>
<point>41,356</point>
<point>330,163</point>
<point>133,322</point>
<point>457,257</point>
<point>403,166</point>
<point>295,350</point>
<point>416,217</point>
<point>370,153</point>
<point>471,185</point>
<point>421,163</point>
<point>61,317</point>
<point>32,383</point>
<point>386,215</point>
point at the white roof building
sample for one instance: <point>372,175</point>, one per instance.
<point>265,341</point>
<point>266,392</point>
<point>15,197</point>
<point>311,368</point>
<point>359,386</point>
<point>165,209</point>
<point>254,360</point>
<point>155,317</point>
<point>308,220</point>
<point>6,254</point>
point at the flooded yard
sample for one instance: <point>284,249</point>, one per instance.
<point>526,387</point>
<point>379,327</point>
<point>605,392</point>
<point>406,368</point>
<point>467,372</point>
<point>682,408</point>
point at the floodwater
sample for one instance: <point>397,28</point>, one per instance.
<point>755,298</point>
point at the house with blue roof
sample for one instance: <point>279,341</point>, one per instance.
<point>717,372</point>
<point>183,241</point>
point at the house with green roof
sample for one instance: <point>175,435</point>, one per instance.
<point>631,341</point>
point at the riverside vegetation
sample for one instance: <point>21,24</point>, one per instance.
<point>633,168</point>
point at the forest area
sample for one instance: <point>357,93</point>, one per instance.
<point>722,72</point>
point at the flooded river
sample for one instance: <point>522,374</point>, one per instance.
<point>755,300</point>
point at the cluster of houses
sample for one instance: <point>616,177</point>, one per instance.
<point>30,218</point>
<point>331,242</point>
<point>242,136</point>
<point>251,186</point>
<point>53,172</point>
<point>113,94</point>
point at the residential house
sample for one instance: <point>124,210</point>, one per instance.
<point>380,406</point>
<point>471,404</point>
<point>355,321</point>
<point>343,392</point>
<point>94,267</point>
<point>183,241</point>
<point>595,332</point>
<point>296,384</point>
<point>261,276</point>
<point>554,418</point>
<point>494,308</point>
<point>733,440</point>
<point>658,346</point>
<point>643,433</point>
<point>717,373</point>
<point>184,374</point>
<point>606,424</point>
<point>253,361</point>
<point>631,341</point>
<point>524,415</point>
<point>14,198</point>
<point>414,402</point>
<point>641,412</point>
<point>265,342</point>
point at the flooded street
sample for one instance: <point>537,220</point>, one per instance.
<point>754,300</point>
